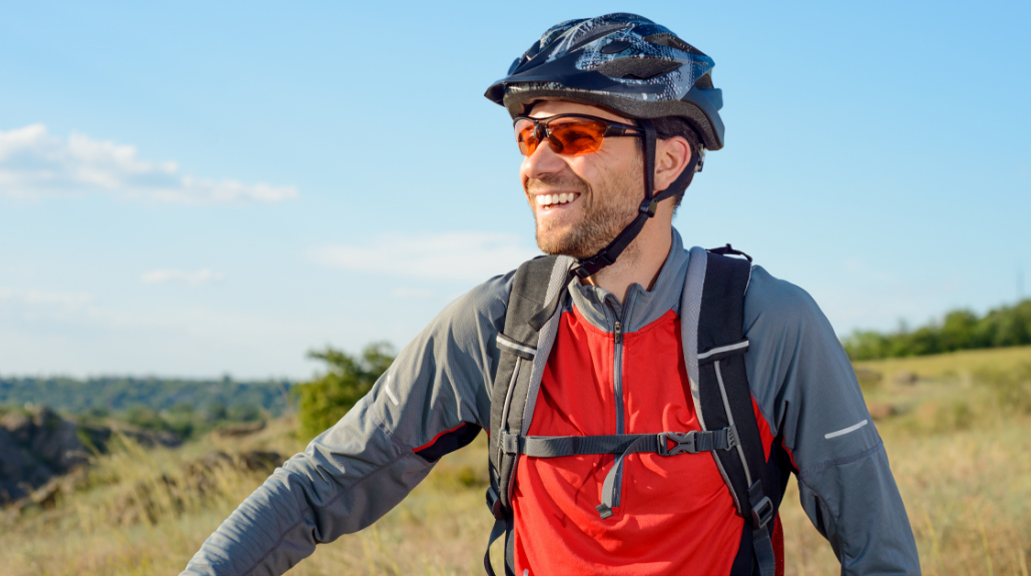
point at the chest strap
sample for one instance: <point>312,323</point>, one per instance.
<point>692,442</point>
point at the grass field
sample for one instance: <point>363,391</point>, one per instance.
<point>958,438</point>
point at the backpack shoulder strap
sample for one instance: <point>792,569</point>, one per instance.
<point>716,368</point>
<point>529,308</point>
<point>518,346</point>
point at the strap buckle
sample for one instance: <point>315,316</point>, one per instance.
<point>685,443</point>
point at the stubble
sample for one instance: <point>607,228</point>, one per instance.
<point>607,210</point>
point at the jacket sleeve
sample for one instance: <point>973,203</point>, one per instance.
<point>432,400</point>
<point>806,389</point>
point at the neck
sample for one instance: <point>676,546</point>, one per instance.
<point>641,262</point>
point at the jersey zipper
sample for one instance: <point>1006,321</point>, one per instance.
<point>617,373</point>
<point>617,381</point>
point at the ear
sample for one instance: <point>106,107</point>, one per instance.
<point>671,158</point>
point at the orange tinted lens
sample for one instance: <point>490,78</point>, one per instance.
<point>576,135</point>
<point>525,137</point>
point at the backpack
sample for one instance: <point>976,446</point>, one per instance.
<point>714,348</point>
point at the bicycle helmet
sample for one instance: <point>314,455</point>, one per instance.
<point>632,66</point>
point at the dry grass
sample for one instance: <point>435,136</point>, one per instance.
<point>958,446</point>
<point>953,365</point>
<point>139,514</point>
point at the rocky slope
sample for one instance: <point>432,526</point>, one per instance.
<point>38,445</point>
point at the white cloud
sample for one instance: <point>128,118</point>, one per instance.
<point>67,300</point>
<point>161,276</point>
<point>412,294</point>
<point>35,164</point>
<point>466,256</point>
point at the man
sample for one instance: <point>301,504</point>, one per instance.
<point>613,115</point>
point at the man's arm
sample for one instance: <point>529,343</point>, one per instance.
<point>434,399</point>
<point>807,390</point>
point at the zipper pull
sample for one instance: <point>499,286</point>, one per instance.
<point>618,332</point>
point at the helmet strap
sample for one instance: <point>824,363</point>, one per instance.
<point>607,255</point>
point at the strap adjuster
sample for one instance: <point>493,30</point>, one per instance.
<point>685,443</point>
<point>762,513</point>
<point>649,206</point>
<point>494,503</point>
<point>762,508</point>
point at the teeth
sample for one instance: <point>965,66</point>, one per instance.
<point>550,199</point>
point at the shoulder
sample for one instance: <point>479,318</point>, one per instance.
<point>486,302</point>
<point>799,374</point>
<point>775,306</point>
<point>490,293</point>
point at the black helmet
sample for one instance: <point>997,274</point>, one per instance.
<point>622,62</point>
<point>634,67</point>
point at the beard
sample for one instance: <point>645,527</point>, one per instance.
<point>607,209</point>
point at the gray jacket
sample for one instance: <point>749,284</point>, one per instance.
<point>363,466</point>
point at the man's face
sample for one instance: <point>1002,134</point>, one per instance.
<point>580,203</point>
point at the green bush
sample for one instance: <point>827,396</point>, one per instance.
<point>324,400</point>
<point>147,419</point>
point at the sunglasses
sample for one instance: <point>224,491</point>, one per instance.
<point>568,134</point>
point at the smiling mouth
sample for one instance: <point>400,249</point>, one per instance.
<point>548,201</point>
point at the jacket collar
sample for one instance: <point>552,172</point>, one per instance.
<point>641,307</point>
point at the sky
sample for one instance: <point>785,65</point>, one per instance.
<point>197,189</point>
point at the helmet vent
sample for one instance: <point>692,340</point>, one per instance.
<point>580,39</point>
<point>671,41</point>
<point>615,46</point>
<point>705,82</point>
<point>637,68</point>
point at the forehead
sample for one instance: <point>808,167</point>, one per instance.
<point>551,106</point>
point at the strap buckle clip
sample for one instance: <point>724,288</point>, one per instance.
<point>685,443</point>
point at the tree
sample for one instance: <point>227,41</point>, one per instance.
<point>323,401</point>
<point>958,332</point>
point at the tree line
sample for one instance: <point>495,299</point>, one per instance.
<point>118,393</point>
<point>959,330</point>
<point>184,407</point>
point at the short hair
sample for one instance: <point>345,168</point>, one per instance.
<point>669,126</point>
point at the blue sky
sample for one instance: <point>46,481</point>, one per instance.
<point>201,188</point>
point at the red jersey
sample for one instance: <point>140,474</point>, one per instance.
<point>676,515</point>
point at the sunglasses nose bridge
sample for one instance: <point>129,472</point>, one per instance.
<point>556,143</point>
<point>540,131</point>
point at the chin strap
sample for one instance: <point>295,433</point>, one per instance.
<point>607,255</point>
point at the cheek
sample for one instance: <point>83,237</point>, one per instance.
<point>586,168</point>
<point>600,170</point>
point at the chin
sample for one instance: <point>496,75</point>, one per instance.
<point>562,246</point>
